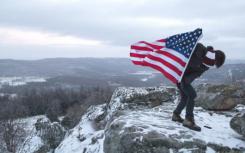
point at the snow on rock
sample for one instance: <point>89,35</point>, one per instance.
<point>32,144</point>
<point>139,120</point>
<point>138,129</point>
<point>85,137</point>
<point>32,141</point>
<point>40,134</point>
<point>221,132</point>
<point>131,123</point>
<point>123,97</point>
<point>237,123</point>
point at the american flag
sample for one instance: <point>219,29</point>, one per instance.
<point>170,56</point>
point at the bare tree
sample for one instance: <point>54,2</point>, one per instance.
<point>54,110</point>
<point>73,115</point>
<point>12,129</point>
<point>13,134</point>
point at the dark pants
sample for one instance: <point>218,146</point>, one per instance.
<point>188,94</point>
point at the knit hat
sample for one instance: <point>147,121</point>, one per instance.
<point>209,59</point>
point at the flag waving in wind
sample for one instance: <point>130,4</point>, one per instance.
<point>170,56</point>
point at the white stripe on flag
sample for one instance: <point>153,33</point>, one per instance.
<point>175,53</point>
<point>138,59</point>
<point>160,44</point>
<point>169,60</point>
<point>140,52</point>
<point>164,67</point>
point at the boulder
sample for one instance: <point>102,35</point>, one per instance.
<point>88,135</point>
<point>138,120</point>
<point>50,133</point>
<point>139,98</point>
<point>134,125</point>
<point>132,139</point>
<point>237,123</point>
<point>219,97</point>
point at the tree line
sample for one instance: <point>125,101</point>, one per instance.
<point>55,102</point>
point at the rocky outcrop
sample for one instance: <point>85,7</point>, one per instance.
<point>132,140</point>
<point>88,135</point>
<point>238,124</point>
<point>50,133</point>
<point>42,136</point>
<point>138,120</point>
<point>133,127</point>
<point>220,97</point>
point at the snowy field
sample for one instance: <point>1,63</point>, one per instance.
<point>147,75</point>
<point>17,81</point>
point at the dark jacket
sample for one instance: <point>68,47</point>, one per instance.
<point>195,68</point>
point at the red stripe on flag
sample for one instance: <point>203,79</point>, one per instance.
<point>169,76</point>
<point>161,40</point>
<point>137,55</point>
<point>141,48</point>
<point>175,58</point>
<point>169,65</point>
<point>139,63</point>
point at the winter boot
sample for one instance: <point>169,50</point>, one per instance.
<point>177,118</point>
<point>190,123</point>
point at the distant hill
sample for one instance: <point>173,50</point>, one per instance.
<point>66,66</point>
<point>112,71</point>
<point>238,61</point>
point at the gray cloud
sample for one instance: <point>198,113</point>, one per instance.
<point>120,23</point>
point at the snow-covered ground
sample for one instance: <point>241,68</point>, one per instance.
<point>145,72</point>
<point>6,94</point>
<point>17,81</point>
<point>86,137</point>
<point>147,75</point>
<point>159,119</point>
<point>32,141</point>
<point>81,138</point>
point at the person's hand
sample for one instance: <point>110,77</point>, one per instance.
<point>178,84</point>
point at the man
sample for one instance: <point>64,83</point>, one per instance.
<point>201,60</point>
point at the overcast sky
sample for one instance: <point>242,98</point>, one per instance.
<point>35,29</point>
